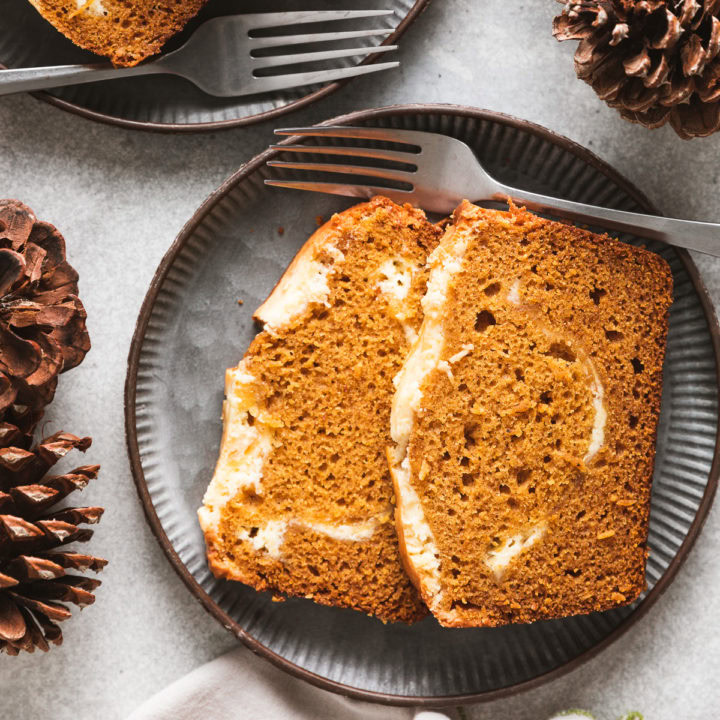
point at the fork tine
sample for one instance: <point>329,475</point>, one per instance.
<point>275,60</point>
<point>409,137</point>
<point>282,40</point>
<point>365,171</point>
<point>268,20</point>
<point>392,155</point>
<point>356,191</point>
<point>292,80</point>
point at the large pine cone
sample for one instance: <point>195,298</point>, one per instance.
<point>42,321</point>
<point>654,60</point>
<point>36,568</point>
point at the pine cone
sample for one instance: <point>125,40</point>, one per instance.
<point>654,60</point>
<point>42,321</point>
<point>36,567</point>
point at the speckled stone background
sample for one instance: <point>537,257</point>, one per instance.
<point>120,197</point>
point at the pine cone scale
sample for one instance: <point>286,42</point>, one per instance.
<point>33,638</point>
<point>57,446</point>
<point>64,592</point>
<point>58,532</point>
<point>6,581</point>
<point>51,610</point>
<point>14,459</point>
<point>83,582</point>
<point>75,516</point>
<point>50,630</point>
<point>19,358</point>
<point>29,569</point>
<point>8,393</point>
<point>637,97</point>
<point>672,34</point>
<point>17,530</point>
<point>657,77</point>
<point>16,224</point>
<point>33,498</point>
<point>639,65</point>
<point>709,90</point>
<point>49,361</point>
<point>12,267</point>
<point>12,622</point>
<point>77,561</point>
<point>16,430</point>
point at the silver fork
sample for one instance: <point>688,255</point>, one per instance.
<point>218,57</point>
<point>443,171</point>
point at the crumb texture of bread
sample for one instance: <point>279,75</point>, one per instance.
<point>301,501</point>
<point>525,420</point>
<point>126,31</point>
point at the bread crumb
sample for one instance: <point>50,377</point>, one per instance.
<point>240,301</point>
<point>605,534</point>
<point>281,230</point>
<point>319,220</point>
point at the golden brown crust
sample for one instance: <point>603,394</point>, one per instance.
<point>320,238</point>
<point>325,234</point>
<point>126,31</point>
<point>318,382</point>
<point>579,320</point>
<point>408,566</point>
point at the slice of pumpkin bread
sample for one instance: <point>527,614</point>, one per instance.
<point>525,420</point>
<point>301,499</point>
<point>126,31</point>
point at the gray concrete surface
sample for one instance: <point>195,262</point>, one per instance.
<point>120,197</point>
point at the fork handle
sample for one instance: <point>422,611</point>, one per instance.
<point>44,78</point>
<point>701,236</point>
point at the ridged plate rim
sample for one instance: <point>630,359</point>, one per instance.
<point>214,609</point>
<point>160,127</point>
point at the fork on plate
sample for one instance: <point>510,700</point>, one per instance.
<point>218,57</point>
<point>436,172</point>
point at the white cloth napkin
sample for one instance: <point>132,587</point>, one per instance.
<point>239,686</point>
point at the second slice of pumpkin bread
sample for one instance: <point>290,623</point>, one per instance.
<point>525,420</point>
<point>301,502</point>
